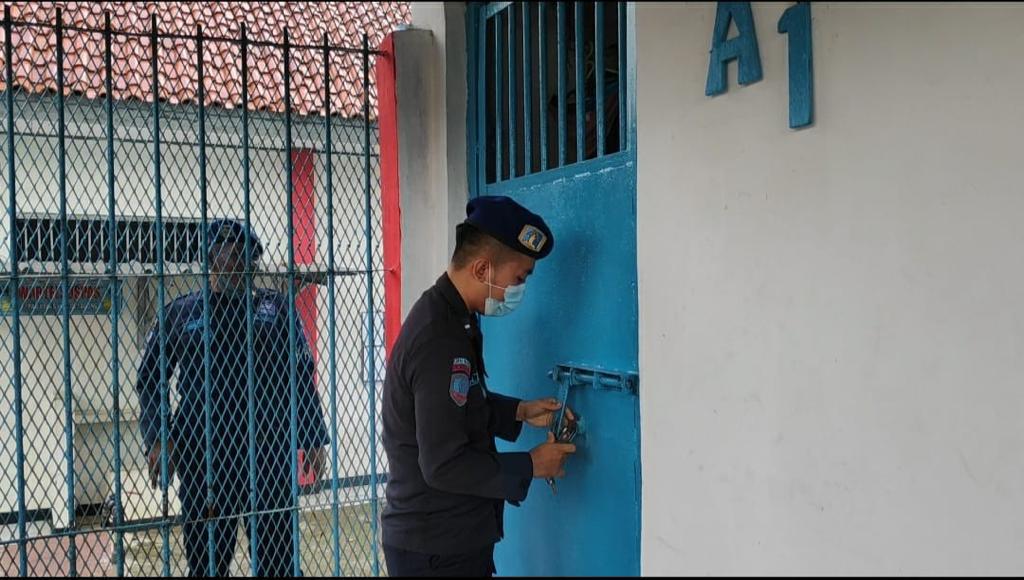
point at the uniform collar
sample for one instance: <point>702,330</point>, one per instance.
<point>452,296</point>
<point>456,303</point>
<point>470,320</point>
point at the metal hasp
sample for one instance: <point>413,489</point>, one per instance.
<point>581,376</point>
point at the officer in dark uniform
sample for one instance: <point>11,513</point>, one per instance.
<point>185,349</point>
<point>448,484</point>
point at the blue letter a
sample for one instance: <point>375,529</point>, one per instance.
<point>743,47</point>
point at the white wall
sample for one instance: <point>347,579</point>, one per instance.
<point>433,181</point>
<point>831,335</point>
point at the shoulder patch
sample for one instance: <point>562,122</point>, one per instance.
<point>462,365</point>
<point>267,311</point>
<point>458,388</point>
<point>194,325</point>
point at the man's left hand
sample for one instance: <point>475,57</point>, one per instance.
<point>540,413</point>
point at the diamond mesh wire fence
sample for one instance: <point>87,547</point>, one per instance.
<point>191,304</point>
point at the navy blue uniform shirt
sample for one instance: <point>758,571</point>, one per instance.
<point>184,351</point>
<point>447,483</point>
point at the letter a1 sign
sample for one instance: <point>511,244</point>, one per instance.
<point>795,22</point>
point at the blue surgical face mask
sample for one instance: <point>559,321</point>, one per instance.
<point>513,298</point>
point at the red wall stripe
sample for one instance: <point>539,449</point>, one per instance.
<point>390,196</point>
<point>304,240</point>
<point>304,204</point>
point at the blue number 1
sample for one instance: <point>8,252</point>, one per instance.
<point>796,22</point>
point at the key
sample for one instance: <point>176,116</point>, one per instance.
<point>566,433</point>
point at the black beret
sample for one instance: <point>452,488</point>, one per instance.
<point>227,230</point>
<point>511,224</point>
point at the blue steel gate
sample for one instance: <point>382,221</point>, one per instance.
<point>108,201</point>
<point>553,126</point>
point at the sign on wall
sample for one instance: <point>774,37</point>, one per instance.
<point>93,296</point>
<point>743,48</point>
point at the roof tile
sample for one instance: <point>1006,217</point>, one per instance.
<point>344,23</point>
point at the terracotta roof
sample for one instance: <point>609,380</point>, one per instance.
<point>344,22</point>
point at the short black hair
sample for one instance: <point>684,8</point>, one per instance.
<point>471,241</point>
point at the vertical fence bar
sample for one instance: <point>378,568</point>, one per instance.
<point>599,74</point>
<point>204,251</point>
<point>65,289</point>
<point>512,90</point>
<point>542,72</point>
<point>292,339</point>
<point>161,299</point>
<point>527,92</point>
<point>563,138</point>
<point>622,76</point>
<point>13,288</point>
<point>332,340</point>
<point>483,152</point>
<point>581,87</point>
<point>115,309</point>
<point>370,323</point>
<point>499,117</point>
<point>250,355</point>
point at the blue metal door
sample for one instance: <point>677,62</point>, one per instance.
<point>575,166</point>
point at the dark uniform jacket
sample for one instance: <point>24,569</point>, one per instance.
<point>184,351</point>
<point>447,484</point>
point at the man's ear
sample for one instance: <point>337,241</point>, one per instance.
<point>478,268</point>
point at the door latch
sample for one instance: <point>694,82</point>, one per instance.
<point>567,427</point>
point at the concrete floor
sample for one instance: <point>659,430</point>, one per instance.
<point>144,550</point>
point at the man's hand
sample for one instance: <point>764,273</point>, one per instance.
<point>540,413</point>
<point>549,458</point>
<point>154,463</point>
<point>315,460</point>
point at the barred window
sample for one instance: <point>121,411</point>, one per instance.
<point>88,240</point>
<point>538,72</point>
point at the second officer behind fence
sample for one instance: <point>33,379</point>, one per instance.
<point>208,347</point>
<point>448,484</point>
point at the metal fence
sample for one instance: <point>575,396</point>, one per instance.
<point>109,203</point>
